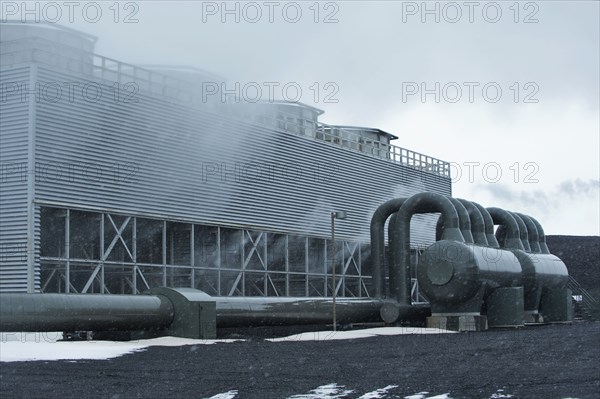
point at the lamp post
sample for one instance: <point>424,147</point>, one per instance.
<point>334,215</point>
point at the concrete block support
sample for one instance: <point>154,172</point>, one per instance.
<point>557,306</point>
<point>458,322</point>
<point>505,307</point>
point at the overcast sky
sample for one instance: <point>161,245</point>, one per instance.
<point>533,145</point>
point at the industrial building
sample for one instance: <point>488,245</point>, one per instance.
<point>117,179</point>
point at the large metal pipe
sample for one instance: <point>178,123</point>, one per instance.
<point>381,214</point>
<point>501,235</point>
<point>503,218</point>
<point>275,311</point>
<point>489,226</point>
<point>83,312</point>
<point>419,203</point>
<point>541,235</point>
<point>464,220</point>
<point>392,247</point>
<point>89,312</point>
<point>523,234</point>
<point>477,222</point>
<point>532,233</point>
<point>467,228</point>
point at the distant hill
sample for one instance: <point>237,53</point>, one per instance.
<point>581,254</point>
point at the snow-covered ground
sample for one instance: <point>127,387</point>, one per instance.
<point>334,391</point>
<point>371,332</point>
<point>18,347</point>
<point>46,346</point>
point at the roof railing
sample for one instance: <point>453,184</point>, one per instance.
<point>94,66</point>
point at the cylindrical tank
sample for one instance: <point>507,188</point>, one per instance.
<point>292,117</point>
<point>452,272</point>
<point>540,272</point>
<point>48,44</point>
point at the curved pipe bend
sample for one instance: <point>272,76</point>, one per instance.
<point>463,220</point>
<point>381,214</point>
<point>513,235</point>
<point>523,233</point>
<point>532,233</point>
<point>477,222</point>
<point>400,263</point>
<point>489,226</point>
<point>541,235</point>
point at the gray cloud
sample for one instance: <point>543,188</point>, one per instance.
<point>579,188</point>
<point>572,188</point>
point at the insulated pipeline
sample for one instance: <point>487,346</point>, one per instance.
<point>381,214</point>
<point>418,203</point>
<point>83,312</point>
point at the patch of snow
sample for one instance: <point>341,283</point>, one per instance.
<point>377,394</point>
<point>18,347</point>
<point>500,394</point>
<point>329,391</point>
<point>408,331</point>
<point>422,395</point>
<point>46,346</point>
<point>225,395</point>
<point>371,332</point>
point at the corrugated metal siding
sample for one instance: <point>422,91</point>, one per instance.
<point>164,152</point>
<point>14,126</point>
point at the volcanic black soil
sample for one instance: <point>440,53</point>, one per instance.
<point>552,361</point>
<point>582,257</point>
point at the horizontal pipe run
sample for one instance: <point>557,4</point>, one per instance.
<point>256,311</point>
<point>83,312</point>
<point>92,312</point>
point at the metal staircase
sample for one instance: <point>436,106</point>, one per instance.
<point>586,306</point>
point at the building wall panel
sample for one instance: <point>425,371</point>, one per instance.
<point>169,160</point>
<point>14,129</point>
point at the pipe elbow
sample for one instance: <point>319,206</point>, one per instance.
<point>513,235</point>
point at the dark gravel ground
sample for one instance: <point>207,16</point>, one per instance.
<point>582,257</point>
<point>552,361</point>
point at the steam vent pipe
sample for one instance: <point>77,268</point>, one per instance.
<point>477,222</point>
<point>532,233</point>
<point>541,236</point>
<point>522,231</point>
<point>489,226</point>
<point>381,214</point>
<point>418,203</point>
<point>513,235</point>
